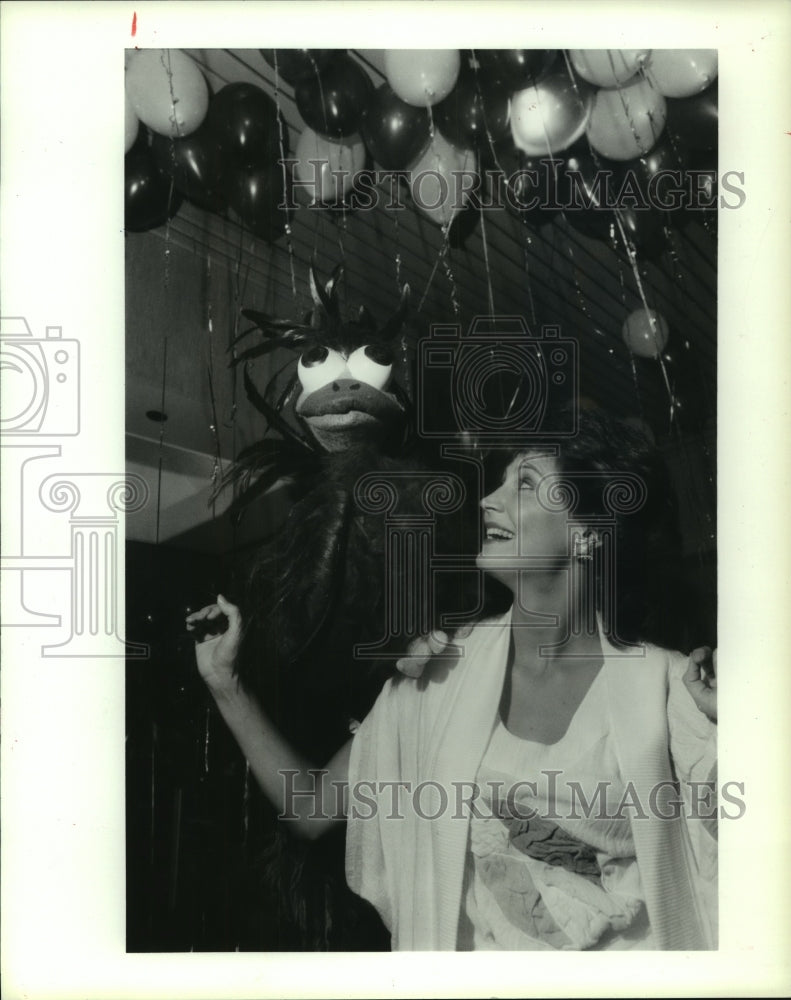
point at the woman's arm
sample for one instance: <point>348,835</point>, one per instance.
<point>311,799</point>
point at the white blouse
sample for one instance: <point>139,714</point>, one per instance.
<point>551,858</point>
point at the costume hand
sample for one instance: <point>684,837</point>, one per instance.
<point>220,625</point>
<point>701,680</point>
<point>420,651</point>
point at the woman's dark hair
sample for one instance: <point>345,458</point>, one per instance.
<point>619,483</point>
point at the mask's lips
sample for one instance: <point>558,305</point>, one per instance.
<point>345,407</point>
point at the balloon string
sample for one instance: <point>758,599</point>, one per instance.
<point>443,250</point>
<point>206,728</point>
<point>632,254</point>
<point>217,464</point>
<point>161,445</point>
<point>282,145</point>
<point>486,261</point>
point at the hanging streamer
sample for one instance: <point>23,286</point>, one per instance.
<point>283,155</point>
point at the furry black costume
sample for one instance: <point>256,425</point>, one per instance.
<point>322,585</point>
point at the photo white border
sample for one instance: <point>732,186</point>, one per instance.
<point>63,264</point>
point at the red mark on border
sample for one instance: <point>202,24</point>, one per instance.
<point>134,24</point>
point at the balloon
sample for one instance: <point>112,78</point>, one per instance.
<point>607,67</point>
<point>167,91</point>
<point>255,194</point>
<point>243,122</point>
<point>682,72</point>
<point>645,333</point>
<point>319,181</point>
<point>634,177</point>
<point>474,111</point>
<point>626,122</point>
<point>148,199</point>
<point>422,76</point>
<point>195,163</point>
<point>515,68</point>
<point>695,120</point>
<point>333,102</point>
<point>394,132</point>
<point>550,115</point>
<point>131,124</point>
<point>435,183</point>
<point>297,64</point>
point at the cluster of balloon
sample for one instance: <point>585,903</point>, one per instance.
<point>221,152</point>
<point>440,112</point>
<point>243,125</point>
<point>645,333</point>
<point>167,93</point>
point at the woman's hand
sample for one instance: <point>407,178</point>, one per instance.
<point>216,652</point>
<point>701,680</point>
<point>420,651</point>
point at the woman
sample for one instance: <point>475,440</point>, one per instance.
<point>544,784</point>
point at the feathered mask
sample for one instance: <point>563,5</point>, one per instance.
<point>342,390</point>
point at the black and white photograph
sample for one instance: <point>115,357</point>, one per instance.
<point>418,499</point>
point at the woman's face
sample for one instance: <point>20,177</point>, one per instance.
<point>520,528</point>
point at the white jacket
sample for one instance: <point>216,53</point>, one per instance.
<point>436,730</point>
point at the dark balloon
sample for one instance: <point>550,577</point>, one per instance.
<point>695,120</point>
<point>150,198</point>
<point>528,184</point>
<point>333,102</point>
<point>464,224</point>
<point>395,132</point>
<point>476,106</point>
<point>255,196</point>
<point>195,164</point>
<point>297,64</point>
<point>515,68</point>
<point>242,120</point>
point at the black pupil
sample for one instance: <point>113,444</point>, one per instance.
<point>380,353</point>
<point>315,356</point>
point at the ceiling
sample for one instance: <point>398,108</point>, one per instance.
<point>187,281</point>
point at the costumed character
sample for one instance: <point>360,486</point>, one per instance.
<point>337,576</point>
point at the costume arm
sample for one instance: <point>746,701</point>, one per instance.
<point>312,799</point>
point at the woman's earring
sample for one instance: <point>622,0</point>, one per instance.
<point>583,546</point>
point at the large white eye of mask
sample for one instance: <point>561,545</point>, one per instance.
<point>372,364</point>
<point>318,367</point>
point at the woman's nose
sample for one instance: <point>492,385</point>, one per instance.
<point>491,502</point>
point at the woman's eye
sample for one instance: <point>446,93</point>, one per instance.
<point>526,484</point>
<point>372,364</point>
<point>318,367</point>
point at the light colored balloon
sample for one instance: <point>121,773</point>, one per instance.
<point>422,76</point>
<point>626,122</point>
<point>324,186</point>
<point>682,72</point>
<point>550,115</point>
<point>167,91</point>
<point>607,67</point>
<point>645,333</point>
<point>131,124</point>
<point>436,184</point>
